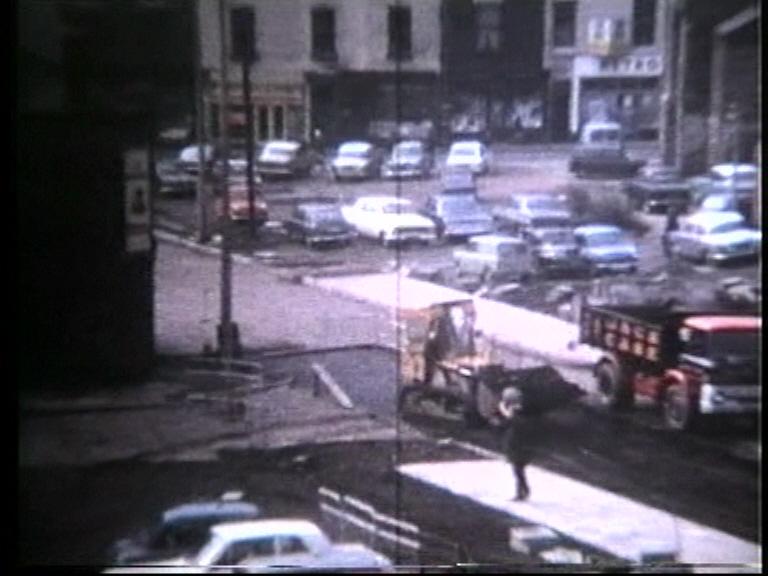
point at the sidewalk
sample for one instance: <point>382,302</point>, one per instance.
<point>614,524</point>
<point>513,327</point>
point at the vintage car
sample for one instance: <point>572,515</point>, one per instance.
<point>284,544</point>
<point>715,237</point>
<point>356,161</point>
<point>408,159</point>
<point>554,250</point>
<point>458,180</point>
<point>658,187</point>
<point>458,215</point>
<point>739,182</point>
<point>284,158</point>
<point>469,154</point>
<point>606,248</point>
<point>389,220</point>
<point>494,257</point>
<point>521,212</point>
<point>181,531</point>
<point>319,223</point>
<point>174,180</point>
<point>188,159</point>
<point>601,152</point>
<point>239,210</point>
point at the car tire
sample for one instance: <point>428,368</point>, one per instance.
<point>679,414</point>
<point>613,387</point>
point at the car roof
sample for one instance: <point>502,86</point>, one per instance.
<point>384,200</point>
<point>496,239</point>
<point>272,527</point>
<point>603,125</point>
<point>318,206</point>
<point>728,170</point>
<point>714,218</point>
<point>284,144</point>
<point>597,229</point>
<point>355,146</point>
<point>407,143</point>
<point>214,508</point>
<point>466,144</point>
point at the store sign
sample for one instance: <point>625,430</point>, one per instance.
<point>137,200</point>
<point>618,66</point>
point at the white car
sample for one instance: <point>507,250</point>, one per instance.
<point>469,154</point>
<point>277,545</point>
<point>715,237</point>
<point>389,219</point>
<point>355,160</point>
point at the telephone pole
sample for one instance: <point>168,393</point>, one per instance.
<point>228,335</point>
<point>203,179</point>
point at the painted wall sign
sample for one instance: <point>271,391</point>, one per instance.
<point>137,201</point>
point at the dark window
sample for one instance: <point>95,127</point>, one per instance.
<point>487,21</point>
<point>643,22</point>
<point>399,33</point>
<point>564,23</point>
<point>278,124</point>
<point>324,34</point>
<point>263,123</point>
<point>242,30</point>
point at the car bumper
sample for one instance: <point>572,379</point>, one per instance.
<point>628,266</point>
<point>401,172</point>
<point>725,255</point>
<point>275,170</point>
<point>349,172</point>
<point>411,236</point>
<point>330,237</point>
<point>467,229</point>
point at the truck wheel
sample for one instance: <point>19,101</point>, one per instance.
<point>678,412</point>
<point>614,390</point>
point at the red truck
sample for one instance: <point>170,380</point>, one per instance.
<point>691,364</point>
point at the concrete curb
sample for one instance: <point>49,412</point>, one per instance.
<point>170,238</point>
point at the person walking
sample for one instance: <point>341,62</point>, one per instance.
<point>522,438</point>
<point>673,213</point>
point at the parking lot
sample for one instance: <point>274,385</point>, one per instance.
<point>515,170</point>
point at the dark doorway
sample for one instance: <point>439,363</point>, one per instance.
<point>559,106</point>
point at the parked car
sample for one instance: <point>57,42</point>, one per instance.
<point>458,215</point>
<point>283,544</point>
<point>731,187</point>
<point>469,154</point>
<point>408,159</point>
<point>286,158</point>
<point>239,210</point>
<point>188,159</point>
<point>173,180</point>
<point>389,219</point>
<point>494,257</point>
<point>526,211</point>
<point>555,250</point>
<point>606,248</point>
<point>319,223</point>
<point>658,187</point>
<point>181,531</point>
<point>356,160</point>
<point>715,237</point>
<point>601,152</point>
<point>458,180</point>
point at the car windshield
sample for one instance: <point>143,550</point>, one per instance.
<point>733,342</point>
<point>330,214</point>
<point>464,151</point>
<point>607,238</point>
<point>546,203</point>
<point>460,203</point>
<point>726,227</point>
<point>280,150</point>
<point>354,152</point>
<point>556,236</point>
<point>396,208</point>
<point>409,150</point>
<point>605,135</point>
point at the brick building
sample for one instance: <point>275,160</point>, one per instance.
<point>605,61</point>
<point>331,65</point>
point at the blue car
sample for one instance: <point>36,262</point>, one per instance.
<point>606,248</point>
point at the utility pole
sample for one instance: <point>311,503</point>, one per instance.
<point>227,331</point>
<point>202,196</point>
<point>244,50</point>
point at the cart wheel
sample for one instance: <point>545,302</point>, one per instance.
<point>679,415</point>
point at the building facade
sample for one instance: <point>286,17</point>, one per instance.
<point>331,67</point>
<point>493,81</point>
<point>605,60</point>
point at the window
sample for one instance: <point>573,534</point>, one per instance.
<point>242,30</point>
<point>279,124</point>
<point>324,34</point>
<point>564,23</point>
<point>643,22</point>
<point>292,545</point>
<point>263,123</point>
<point>488,24</point>
<point>399,33</point>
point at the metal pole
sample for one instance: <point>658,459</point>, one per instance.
<point>227,329</point>
<point>202,199</point>
<point>249,144</point>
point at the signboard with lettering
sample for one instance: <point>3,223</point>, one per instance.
<point>137,201</point>
<point>629,65</point>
